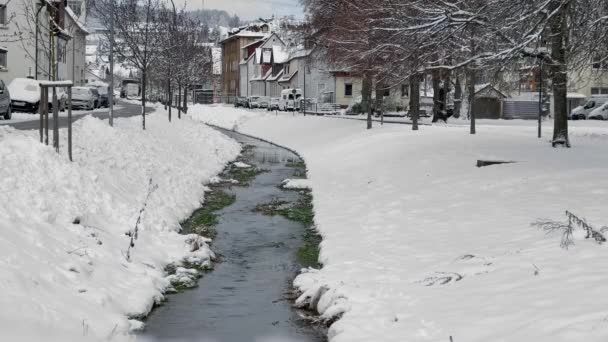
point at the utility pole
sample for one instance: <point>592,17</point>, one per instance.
<point>111,86</point>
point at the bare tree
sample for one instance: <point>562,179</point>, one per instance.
<point>139,33</point>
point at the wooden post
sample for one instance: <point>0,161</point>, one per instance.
<point>41,111</point>
<point>55,120</point>
<point>70,122</point>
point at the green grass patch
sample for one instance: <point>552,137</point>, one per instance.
<point>202,220</point>
<point>243,175</point>
<point>270,209</point>
<point>308,254</point>
<point>301,211</point>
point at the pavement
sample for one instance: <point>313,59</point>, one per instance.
<point>122,110</point>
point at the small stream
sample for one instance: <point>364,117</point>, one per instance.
<point>245,297</point>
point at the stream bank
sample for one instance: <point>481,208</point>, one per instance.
<point>248,294</point>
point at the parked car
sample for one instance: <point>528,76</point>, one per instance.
<point>240,102</point>
<point>274,103</point>
<point>600,113</point>
<point>25,96</point>
<point>97,96</point>
<point>582,112</point>
<point>253,102</point>
<point>5,102</point>
<point>263,102</point>
<point>102,88</point>
<point>83,97</point>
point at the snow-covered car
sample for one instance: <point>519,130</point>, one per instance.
<point>274,103</point>
<point>264,102</point>
<point>83,98</point>
<point>600,113</point>
<point>240,102</point>
<point>582,112</point>
<point>25,96</point>
<point>253,102</point>
<point>5,102</point>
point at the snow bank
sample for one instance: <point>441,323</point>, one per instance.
<point>63,271</point>
<point>420,245</point>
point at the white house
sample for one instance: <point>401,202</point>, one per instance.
<point>22,55</point>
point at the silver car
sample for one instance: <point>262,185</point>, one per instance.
<point>83,98</point>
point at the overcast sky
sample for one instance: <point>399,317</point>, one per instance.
<point>249,9</point>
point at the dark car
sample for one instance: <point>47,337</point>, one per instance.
<point>104,99</point>
<point>5,102</point>
<point>240,102</point>
<point>97,96</point>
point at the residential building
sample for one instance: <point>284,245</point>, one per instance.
<point>24,58</point>
<point>233,55</point>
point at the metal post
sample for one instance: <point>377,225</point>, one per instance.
<point>41,111</point>
<point>37,34</point>
<point>55,120</point>
<point>70,122</point>
<point>45,102</point>
<point>111,86</point>
<point>540,101</point>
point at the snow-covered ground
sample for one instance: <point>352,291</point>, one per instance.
<point>420,244</point>
<point>64,275</point>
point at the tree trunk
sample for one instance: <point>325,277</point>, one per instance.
<point>143,98</point>
<point>559,73</point>
<point>471,80</point>
<point>415,100</point>
<point>185,106</point>
<point>179,100</point>
<point>378,107</point>
<point>168,101</point>
<point>366,103</point>
<point>437,104</point>
<point>457,98</point>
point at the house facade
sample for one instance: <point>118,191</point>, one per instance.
<point>21,58</point>
<point>232,56</point>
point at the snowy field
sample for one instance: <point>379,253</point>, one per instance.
<point>64,275</point>
<point>420,244</point>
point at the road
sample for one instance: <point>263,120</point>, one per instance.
<point>123,110</point>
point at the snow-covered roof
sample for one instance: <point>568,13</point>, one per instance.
<point>299,54</point>
<point>287,78</point>
<point>259,41</point>
<point>275,77</point>
<point>280,55</point>
<point>78,23</point>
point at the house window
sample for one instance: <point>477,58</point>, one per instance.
<point>386,92</point>
<point>286,68</point>
<point>405,90</point>
<point>3,59</point>
<point>348,89</point>
<point>599,91</point>
<point>3,15</point>
<point>600,64</point>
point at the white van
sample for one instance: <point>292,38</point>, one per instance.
<point>601,113</point>
<point>582,112</point>
<point>290,99</point>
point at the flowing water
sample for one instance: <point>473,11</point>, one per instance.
<point>244,298</point>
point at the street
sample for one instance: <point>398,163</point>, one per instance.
<point>122,109</point>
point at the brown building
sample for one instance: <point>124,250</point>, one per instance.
<point>232,55</point>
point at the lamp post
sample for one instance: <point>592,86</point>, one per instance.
<point>41,4</point>
<point>111,86</point>
<point>540,100</point>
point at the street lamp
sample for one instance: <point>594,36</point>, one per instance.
<point>41,4</point>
